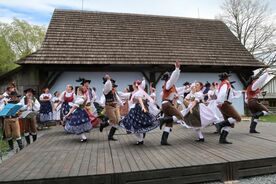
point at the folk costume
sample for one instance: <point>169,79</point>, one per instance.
<point>198,115</point>
<point>29,110</point>
<point>11,124</point>
<point>66,99</point>
<point>46,111</point>
<point>251,98</point>
<point>138,121</point>
<point>112,107</point>
<point>77,120</point>
<point>56,107</point>
<point>225,96</point>
<point>168,96</point>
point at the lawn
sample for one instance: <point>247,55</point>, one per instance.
<point>271,118</point>
<point>3,144</point>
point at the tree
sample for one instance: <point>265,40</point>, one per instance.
<point>23,37</point>
<point>17,40</point>
<point>251,23</point>
<point>7,56</point>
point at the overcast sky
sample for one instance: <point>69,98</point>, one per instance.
<point>40,11</point>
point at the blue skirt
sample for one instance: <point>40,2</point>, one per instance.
<point>136,121</point>
<point>46,112</point>
<point>65,108</point>
<point>78,122</point>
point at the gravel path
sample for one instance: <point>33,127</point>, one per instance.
<point>266,179</point>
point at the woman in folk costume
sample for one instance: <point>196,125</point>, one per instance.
<point>198,115</point>
<point>46,111</point>
<point>30,110</point>
<point>212,103</point>
<point>251,98</point>
<point>142,115</point>
<point>56,106</point>
<point>225,96</point>
<point>77,120</point>
<point>66,99</point>
<point>112,106</point>
<point>168,96</point>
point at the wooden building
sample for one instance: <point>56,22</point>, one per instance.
<point>131,46</point>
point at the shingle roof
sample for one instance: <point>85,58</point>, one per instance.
<point>85,37</point>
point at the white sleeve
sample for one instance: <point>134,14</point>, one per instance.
<point>41,96</point>
<point>222,94</point>
<point>237,94</point>
<point>36,105</point>
<point>78,102</point>
<point>260,82</point>
<point>173,79</point>
<point>143,84</point>
<point>180,90</point>
<point>94,95</point>
<point>22,102</point>
<point>124,95</point>
<point>107,87</point>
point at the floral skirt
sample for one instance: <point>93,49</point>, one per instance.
<point>46,112</point>
<point>78,122</point>
<point>136,121</point>
<point>65,108</point>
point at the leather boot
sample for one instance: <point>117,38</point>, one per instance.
<point>253,127</point>
<point>34,137</point>
<point>222,139</point>
<point>257,115</point>
<point>20,145</point>
<point>27,138</point>
<point>11,147</point>
<point>164,139</point>
<point>222,124</point>
<point>111,134</point>
<point>103,125</point>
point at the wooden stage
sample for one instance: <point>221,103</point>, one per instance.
<point>60,158</point>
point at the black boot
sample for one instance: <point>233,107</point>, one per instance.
<point>217,128</point>
<point>200,140</point>
<point>111,133</point>
<point>27,138</point>
<point>164,139</point>
<point>165,120</point>
<point>34,137</point>
<point>222,139</point>
<point>103,125</point>
<point>20,145</point>
<point>222,124</point>
<point>257,115</point>
<point>253,127</point>
<point>10,145</point>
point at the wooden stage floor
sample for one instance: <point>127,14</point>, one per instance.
<point>58,157</point>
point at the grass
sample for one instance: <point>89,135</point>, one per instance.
<point>3,144</point>
<point>270,118</point>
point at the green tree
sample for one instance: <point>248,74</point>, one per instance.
<point>7,56</point>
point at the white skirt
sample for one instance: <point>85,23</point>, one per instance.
<point>215,110</point>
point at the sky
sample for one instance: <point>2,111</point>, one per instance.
<point>40,11</point>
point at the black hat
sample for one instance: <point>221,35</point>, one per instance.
<point>166,76</point>
<point>224,76</point>
<point>114,85</point>
<point>207,84</point>
<point>29,90</point>
<point>186,83</point>
<point>14,93</point>
<point>83,80</point>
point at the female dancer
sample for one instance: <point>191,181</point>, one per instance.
<point>46,111</point>
<point>77,119</point>
<point>140,120</point>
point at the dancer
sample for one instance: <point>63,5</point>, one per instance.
<point>11,124</point>
<point>198,115</point>
<point>46,111</point>
<point>112,104</point>
<point>77,120</point>
<point>30,110</point>
<point>169,94</point>
<point>141,118</point>
<point>66,100</point>
<point>251,98</point>
<point>230,115</point>
<point>56,106</point>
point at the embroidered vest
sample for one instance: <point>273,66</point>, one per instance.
<point>166,93</point>
<point>250,93</point>
<point>68,99</point>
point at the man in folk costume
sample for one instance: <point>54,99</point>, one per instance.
<point>112,104</point>
<point>224,101</point>
<point>11,124</point>
<point>251,98</point>
<point>168,96</point>
<point>31,106</point>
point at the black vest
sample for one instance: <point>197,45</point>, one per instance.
<point>110,97</point>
